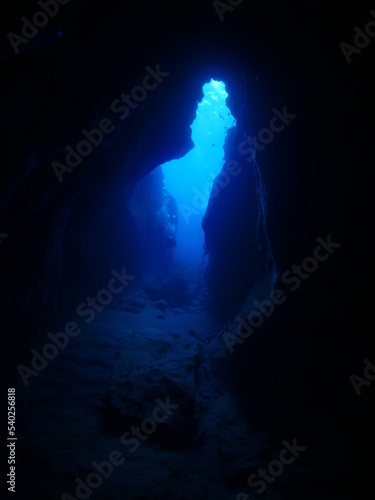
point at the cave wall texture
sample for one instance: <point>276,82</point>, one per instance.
<point>314,175</point>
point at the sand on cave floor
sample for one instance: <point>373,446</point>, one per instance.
<point>136,350</point>
<point>65,406</point>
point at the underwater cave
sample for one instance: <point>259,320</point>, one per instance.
<point>181,297</point>
<point>190,179</point>
<point>171,202</point>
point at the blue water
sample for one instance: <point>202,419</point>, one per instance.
<point>189,179</point>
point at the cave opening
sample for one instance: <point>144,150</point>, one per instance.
<point>190,179</point>
<point>168,206</point>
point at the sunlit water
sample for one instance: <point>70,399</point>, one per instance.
<point>189,179</point>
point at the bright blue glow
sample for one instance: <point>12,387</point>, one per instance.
<point>189,179</point>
